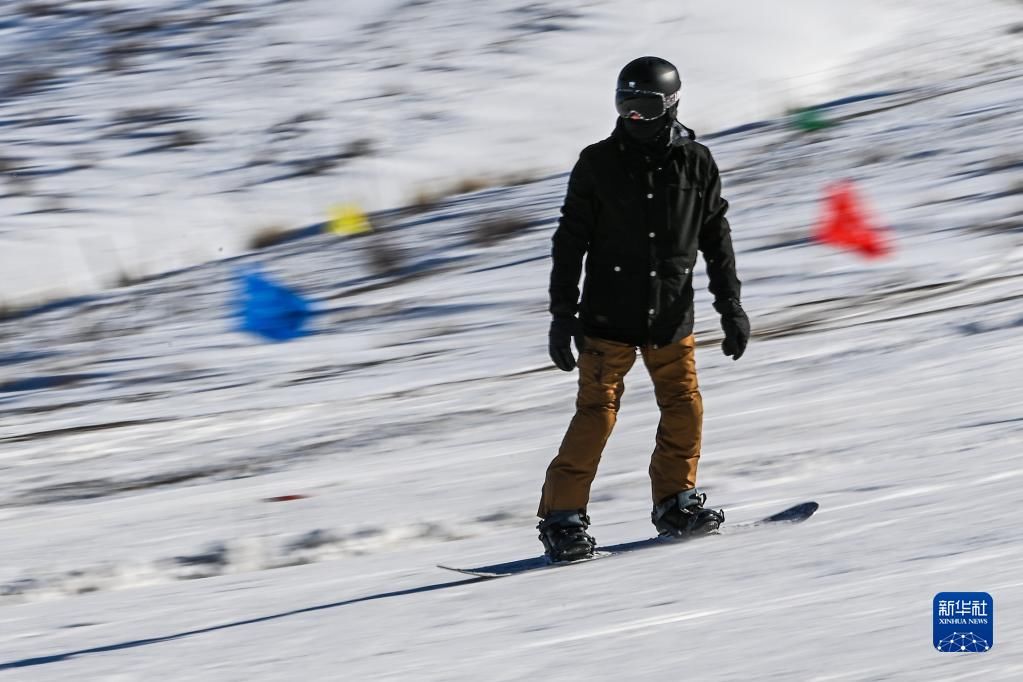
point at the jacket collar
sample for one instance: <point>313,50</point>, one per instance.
<point>680,134</point>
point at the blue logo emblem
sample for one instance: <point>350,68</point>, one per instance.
<point>964,622</point>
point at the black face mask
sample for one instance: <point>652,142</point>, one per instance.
<point>653,133</point>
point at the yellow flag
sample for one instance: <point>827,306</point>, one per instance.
<point>348,219</point>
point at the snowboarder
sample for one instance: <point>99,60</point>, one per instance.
<point>638,206</point>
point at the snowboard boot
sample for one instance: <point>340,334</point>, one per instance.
<point>683,515</point>
<point>564,536</point>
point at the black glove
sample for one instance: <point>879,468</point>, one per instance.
<point>563,329</point>
<point>735,324</point>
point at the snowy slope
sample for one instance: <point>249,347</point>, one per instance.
<point>137,137</point>
<point>141,438</point>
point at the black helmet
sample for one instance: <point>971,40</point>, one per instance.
<point>647,88</point>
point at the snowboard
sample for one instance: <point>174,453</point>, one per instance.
<point>795,514</point>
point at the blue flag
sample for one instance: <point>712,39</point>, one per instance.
<point>271,310</point>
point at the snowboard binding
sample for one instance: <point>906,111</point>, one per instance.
<point>683,515</point>
<point>564,536</point>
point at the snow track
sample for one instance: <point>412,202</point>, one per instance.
<point>157,465</point>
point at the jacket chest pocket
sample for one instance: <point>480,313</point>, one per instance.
<point>683,193</point>
<point>685,214</point>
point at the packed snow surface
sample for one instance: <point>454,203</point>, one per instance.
<point>182,501</point>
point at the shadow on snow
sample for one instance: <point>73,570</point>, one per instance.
<point>136,643</point>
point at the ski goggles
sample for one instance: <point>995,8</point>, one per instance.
<point>643,105</point>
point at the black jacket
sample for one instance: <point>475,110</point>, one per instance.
<point>639,221</point>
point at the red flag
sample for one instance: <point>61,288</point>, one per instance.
<point>845,224</point>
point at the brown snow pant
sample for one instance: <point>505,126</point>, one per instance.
<point>602,369</point>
